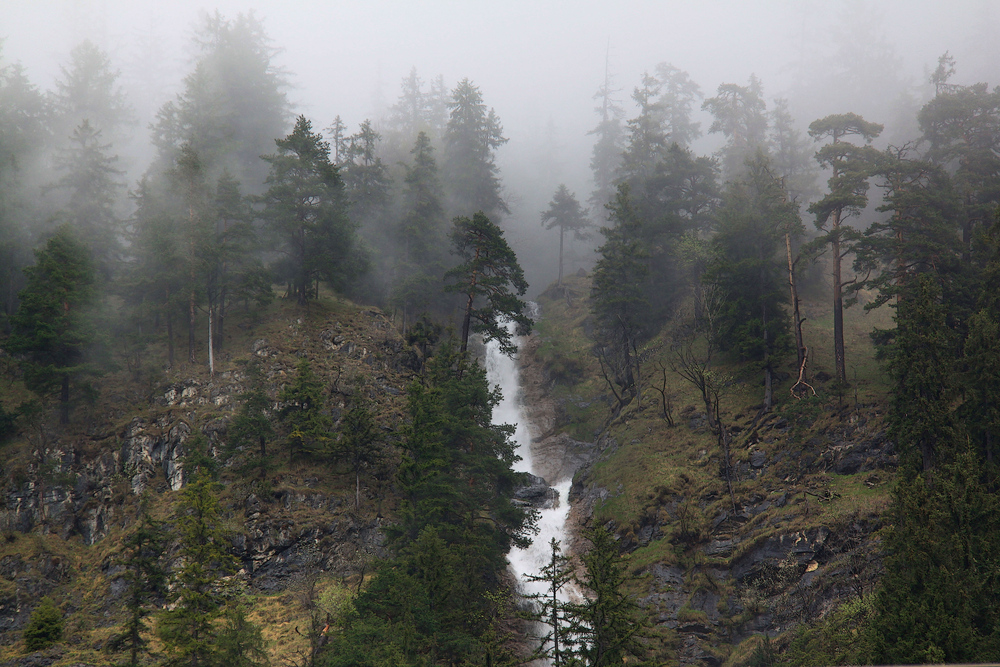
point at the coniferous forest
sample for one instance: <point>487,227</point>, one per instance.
<point>250,411</point>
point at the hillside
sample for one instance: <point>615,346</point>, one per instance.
<point>799,537</point>
<point>72,496</point>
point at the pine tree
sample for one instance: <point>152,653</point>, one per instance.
<point>851,166</point>
<point>748,268</point>
<point>552,608</point>
<point>491,281</point>
<point>251,427</point>
<point>421,233</point>
<point>605,157</point>
<point>619,301</point>
<point>740,116</point>
<point>677,96</point>
<point>647,136</point>
<point>608,621</point>
<point>45,626</point>
<point>359,444</point>
<point>564,212</point>
<point>52,326</point>
<point>240,642</point>
<point>90,178</point>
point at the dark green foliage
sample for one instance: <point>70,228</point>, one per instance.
<point>251,428</point>
<point>301,413</point>
<point>439,600</point>
<point>919,236</point>
<point>962,127</point>
<point>240,642</point>
<point>922,358</point>
<point>608,622</point>
<point>52,326</point>
<point>359,445</point>
<point>620,303</point>
<point>422,238</point>
<point>45,626</point>
<point>473,135</point>
<point>564,212</point>
<point>146,581</point>
<point>558,644</point>
<point>304,207</point>
<point>491,280</point>
<point>937,599</point>
<point>749,271</point>
<point>647,138</point>
<point>188,629</point>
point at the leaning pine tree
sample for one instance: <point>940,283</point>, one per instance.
<point>491,280</point>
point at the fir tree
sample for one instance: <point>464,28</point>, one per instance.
<point>302,414</point>
<point>45,626</point>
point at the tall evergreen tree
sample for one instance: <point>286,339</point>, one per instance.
<point>146,581</point>
<point>421,233</point>
<point>605,159</point>
<point>647,136</point>
<point>739,114</point>
<point>491,281</point>
<point>618,298</point>
<point>564,212</point>
<point>304,206</point>
<point>472,138</point>
<point>608,620</point>
<point>301,413</point>
<point>678,95</point>
<point>748,268</point>
<point>850,166</point>
<point>52,325</point>
<point>188,629</point>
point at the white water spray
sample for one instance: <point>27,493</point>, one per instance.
<point>502,370</point>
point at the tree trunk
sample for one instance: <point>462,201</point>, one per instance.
<point>64,400</point>
<point>170,332</point>
<point>561,231</point>
<point>838,303</point>
<point>191,326</point>
<point>800,347</point>
<point>211,343</point>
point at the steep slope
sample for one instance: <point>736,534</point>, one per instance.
<point>799,535</point>
<point>72,496</point>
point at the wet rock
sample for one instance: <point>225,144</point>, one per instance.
<point>538,494</point>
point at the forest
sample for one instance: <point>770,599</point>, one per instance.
<point>215,305</point>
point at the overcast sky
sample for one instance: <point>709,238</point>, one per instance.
<point>537,62</point>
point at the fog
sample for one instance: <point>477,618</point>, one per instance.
<point>538,64</point>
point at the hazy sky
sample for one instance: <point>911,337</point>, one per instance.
<point>537,62</point>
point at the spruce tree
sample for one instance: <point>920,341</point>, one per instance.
<point>304,207</point>
<point>301,413</point>
<point>45,626</point>
<point>53,326</point>
<point>146,581</point>
<point>188,630</point>
<point>473,135</point>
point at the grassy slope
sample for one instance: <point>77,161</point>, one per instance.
<point>670,476</point>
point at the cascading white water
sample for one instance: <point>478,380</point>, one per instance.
<point>503,371</point>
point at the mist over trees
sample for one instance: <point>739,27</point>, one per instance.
<point>130,234</point>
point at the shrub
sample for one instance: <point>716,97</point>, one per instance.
<point>45,627</point>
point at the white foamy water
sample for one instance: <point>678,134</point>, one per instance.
<point>503,371</point>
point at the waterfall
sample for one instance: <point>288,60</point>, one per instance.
<point>503,371</point>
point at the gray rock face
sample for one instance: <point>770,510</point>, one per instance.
<point>538,494</point>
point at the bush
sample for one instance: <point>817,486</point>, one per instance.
<point>45,627</point>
